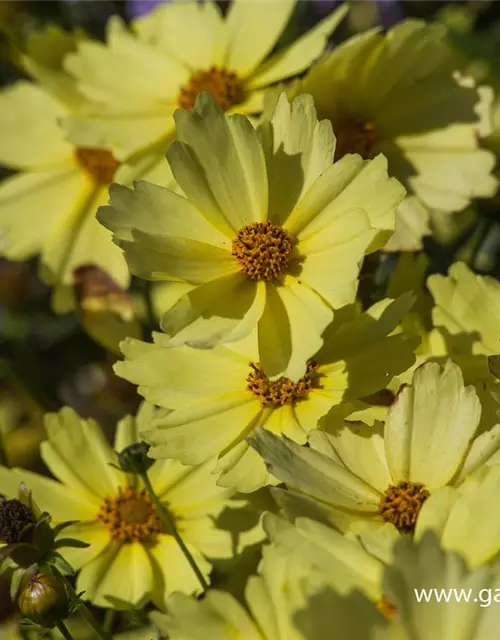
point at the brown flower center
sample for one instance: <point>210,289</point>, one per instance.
<point>354,136</point>
<point>401,504</point>
<point>130,516</point>
<point>224,86</point>
<point>14,517</point>
<point>100,164</point>
<point>263,250</point>
<point>276,393</point>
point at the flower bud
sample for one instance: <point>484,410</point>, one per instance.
<point>134,458</point>
<point>44,600</point>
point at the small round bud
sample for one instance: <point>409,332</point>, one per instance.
<point>14,517</point>
<point>44,600</point>
<point>134,458</point>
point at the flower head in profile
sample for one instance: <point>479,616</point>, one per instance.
<point>130,558</point>
<point>269,235</point>
<point>139,78</point>
<point>398,93</point>
<point>220,395</point>
<point>360,473</point>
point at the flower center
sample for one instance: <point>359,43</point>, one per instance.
<point>401,504</point>
<point>100,164</point>
<point>263,250</point>
<point>14,517</point>
<point>130,516</point>
<point>276,393</point>
<point>354,136</point>
<point>221,84</point>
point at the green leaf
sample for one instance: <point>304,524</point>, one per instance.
<point>71,542</point>
<point>15,581</point>
<point>494,365</point>
<point>43,536</point>
<point>62,525</point>
<point>24,555</point>
<point>57,561</point>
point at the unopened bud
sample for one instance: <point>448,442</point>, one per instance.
<point>134,458</point>
<point>44,600</point>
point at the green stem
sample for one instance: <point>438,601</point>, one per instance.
<point>64,631</point>
<point>83,609</point>
<point>171,528</point>
<point>108,620</point>
<point>148,301</point>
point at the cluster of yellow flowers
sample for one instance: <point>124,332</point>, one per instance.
<point>351,450</point>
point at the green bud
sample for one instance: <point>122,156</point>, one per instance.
<point>134,458</point>
<point>44,600</point>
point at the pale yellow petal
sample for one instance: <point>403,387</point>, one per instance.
<point>412,225</point>
<point>78,454</point>
<point>95,534</point>
<point>153,209</point>
<point>122,133</point>
<point>224,310</point>
<point>172,572</point>
<point>430,426</point>
<point>191,32</point>
<point>208,139</point>
<point>173,378</point>
<point>360,448</point>
<point>31,135</point>
<point>467,303</point>
<point>80,240</point>
<point>314,474</point>
<point>333,257</point>
<point>297,150</point>
<point>213,424</point>
<point>246,19</point>
<point>218,615</point>
<point>61,501</point>
<point>450,168</point>
<point>155,257</point>
<point>22,196</point>
<point>243,469</point>
<point>152,77</point>
<point>104,576</point>
<point>299,55</point>
<point>196,494</point>
<point>290,328</point>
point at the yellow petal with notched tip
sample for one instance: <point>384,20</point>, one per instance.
<point>431,426</point>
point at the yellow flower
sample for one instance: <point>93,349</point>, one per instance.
<point>398,94</point>
<point>130,557</point>
<point>364,473</point>
<point>60,182</point>
<point>182,48</point>
<point>274,599</point>
<point>220,395</point>
<point>424,565</point>
<point>467,316</point>
<point>468,309</point>
<point>270,234</point>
